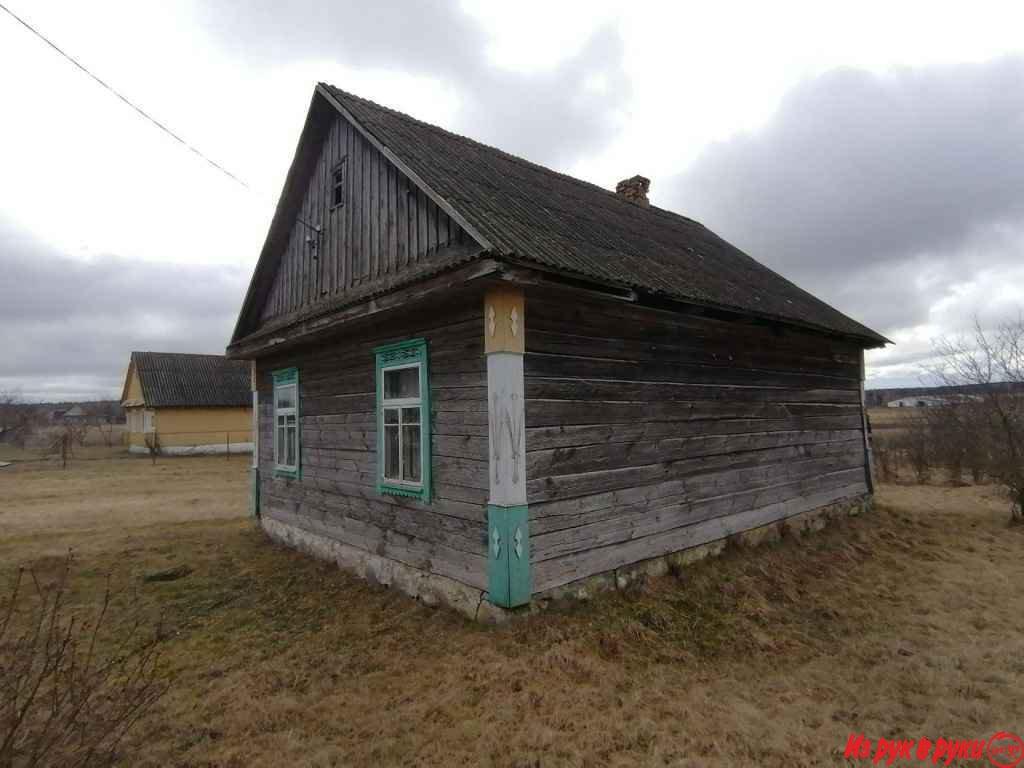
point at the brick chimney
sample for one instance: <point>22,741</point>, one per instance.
<point>634,190</point>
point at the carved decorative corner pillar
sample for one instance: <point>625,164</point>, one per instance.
<point>254,470</point>
<point>508,537</point>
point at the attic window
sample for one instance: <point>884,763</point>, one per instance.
<point>338,184</point>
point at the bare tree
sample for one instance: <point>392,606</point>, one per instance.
<point>70,688</point>
<point>994,411</point>
<point>153,446</point>
<point>10,403</point>
<point>17,417</point>
<point>77,432</point>
<point>106,430</point>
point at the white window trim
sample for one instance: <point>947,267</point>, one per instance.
<point>285,412</point>
<point>398,403</point>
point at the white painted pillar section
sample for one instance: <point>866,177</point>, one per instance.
<point>869,457</point>
<point>507,432</point>
<point>254,470</point>
<point>255,416</point>
<point>255,429</point>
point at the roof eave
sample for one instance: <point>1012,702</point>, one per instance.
<point>642,296</point>
<point>332,317</point>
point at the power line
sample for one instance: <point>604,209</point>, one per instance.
<point>120,96</point>
<point>138,109</point>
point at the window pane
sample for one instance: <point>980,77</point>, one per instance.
<point>391,452</point>
<point>411,415</point>
<point>280,445</point>
<point>390,415</point>
<point>411,453</point>
<point>292,445</point>
<point>339,189</point>
<point>402,383</point>
<point>285,396</point>
<point>290,419</point>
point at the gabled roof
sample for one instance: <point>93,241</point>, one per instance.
<point>179,380</point>
<point>525,212</point>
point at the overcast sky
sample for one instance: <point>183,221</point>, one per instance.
<point>874,155</point>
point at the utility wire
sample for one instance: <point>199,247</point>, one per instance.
<point>119,95</point>
<point>137,108</point>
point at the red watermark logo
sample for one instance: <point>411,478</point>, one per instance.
<point>1003,750</point>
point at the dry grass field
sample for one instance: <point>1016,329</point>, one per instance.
<point>902,623</point>
<point>891,418</point>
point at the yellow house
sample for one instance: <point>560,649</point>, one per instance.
<point>185,404</point>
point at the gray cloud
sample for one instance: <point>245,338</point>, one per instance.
<point>550,117</point>
<point>879,192</point>
<point>68,326</point>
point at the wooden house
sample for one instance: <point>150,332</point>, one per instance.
<point>187,404</point>
<point>485,382</point>
<point>74,415</point>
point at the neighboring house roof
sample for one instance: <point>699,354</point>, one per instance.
<point>523,211</point>
<point>173,379</point>
<point>74,412</point>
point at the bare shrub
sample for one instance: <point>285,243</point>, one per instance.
<point>993,414</point>
<point>69,691</point>
<point>948,439</point>
<point>915,447</point>
<point>105,428</point>
<point>77,432</point>
<point>886,456</point>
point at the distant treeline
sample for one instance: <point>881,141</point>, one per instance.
<point>85,405</point>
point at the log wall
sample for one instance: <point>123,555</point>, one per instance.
<point>649,432</point>
<point>336,495</point>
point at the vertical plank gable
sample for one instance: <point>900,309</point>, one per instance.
<point>385,225</point>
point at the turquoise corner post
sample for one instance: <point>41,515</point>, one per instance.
<point>508,555</point>
<point>254,492</point>
<point>509,582</point>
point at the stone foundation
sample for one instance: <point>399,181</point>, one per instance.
<point>213,449</point>
<point>428,588</point>
<point>621,578</point>
<point>432,589</point>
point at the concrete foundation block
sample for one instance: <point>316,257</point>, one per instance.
<point>624,577</point>
<point>430,588</point>
<point>435,590</point>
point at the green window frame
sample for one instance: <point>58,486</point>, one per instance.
<point>287,424</point>
<point>403,419</point>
